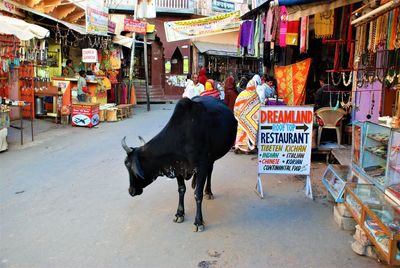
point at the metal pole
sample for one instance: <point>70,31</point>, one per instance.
<point>146,72</point>
<point>132,57</point>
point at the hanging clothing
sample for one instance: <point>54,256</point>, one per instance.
<point>292,81</point>
<point>268,26</point>
<point>276,13</point>
<point>256,38</point>
<point>292,35</point>
<point>323,24</point>
<point>304,34</point>
<point>246,112</point>
<point>230,92</point>
<point>247,36</point>
<point>283,26</point>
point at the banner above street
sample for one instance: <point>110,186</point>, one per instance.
<point>187,29</point>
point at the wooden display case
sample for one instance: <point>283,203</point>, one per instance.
<point>378,216</point>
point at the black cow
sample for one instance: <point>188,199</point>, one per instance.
<point>199,132</point>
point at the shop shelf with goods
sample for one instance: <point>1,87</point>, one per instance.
<point>335,179</point>
<point>378,216</point>
<point>372,150</point>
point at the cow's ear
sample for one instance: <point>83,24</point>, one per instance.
<point>137,167</point>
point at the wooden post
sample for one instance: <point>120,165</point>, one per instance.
<point>132,58</point>
<point>146,72</point>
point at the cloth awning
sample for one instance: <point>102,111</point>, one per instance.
<point>78,28</point>
<point>21,29</point>
<point>298,11</point>
<point>216,49</point>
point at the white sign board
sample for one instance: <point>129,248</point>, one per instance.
<point>89,55</point>
<point>284,140</point>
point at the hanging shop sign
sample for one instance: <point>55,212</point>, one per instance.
<point>285,140</point>
<point>89,55</point>
<point>223,6</point>
<point>111,26</point>
<point>135,26</point>
<point>96,18</point>
<point>187,29</point>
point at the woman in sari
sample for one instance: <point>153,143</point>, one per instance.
<point>210,90</point>
<point>246,111</point>
<point>230,92</point>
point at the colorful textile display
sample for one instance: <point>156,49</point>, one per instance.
<point>246,110</point>
<point>304,34</point>
<point>292,35</point>
<point>323,24</point>
<point>292,82</point>
<point>283,26</point>
<point>393,28</point>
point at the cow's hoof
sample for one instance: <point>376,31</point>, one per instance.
<point>179,219</point>
<point>198,228</point>
<point>209,196</point>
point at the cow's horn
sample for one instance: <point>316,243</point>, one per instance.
<point>142,140</point>
<point>126,147</point>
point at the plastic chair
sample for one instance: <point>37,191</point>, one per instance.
<point>331,119</point>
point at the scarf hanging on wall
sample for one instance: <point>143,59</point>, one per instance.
<point>268,26</point>
<point>393,28</point>
<point>292,81</point>
<point>292,35</point>
<point>276,13</point>
<point>283,26</point>
<point>304,35</point>
<point>256,37</point>
<point>323,24</point>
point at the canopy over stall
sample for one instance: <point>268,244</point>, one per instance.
<point>21,29</point>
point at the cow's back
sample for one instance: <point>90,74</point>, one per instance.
<point>219,126</point>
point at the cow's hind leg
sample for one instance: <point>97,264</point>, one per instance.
<point>208,193</point>
<point>180,212</point>
<point>198,195</point>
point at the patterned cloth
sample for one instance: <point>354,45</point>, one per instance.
<point>246,111</point>
<point>292,82</point>
<point>323,24</point>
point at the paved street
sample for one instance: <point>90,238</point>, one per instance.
<point>64,202</point>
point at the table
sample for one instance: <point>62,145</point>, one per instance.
<point>21,127</point>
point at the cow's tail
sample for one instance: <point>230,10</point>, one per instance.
<point>194,181</point>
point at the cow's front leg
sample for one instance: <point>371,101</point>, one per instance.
<point>208,193</point>
<point>198,195</point>
<point>180,212</point>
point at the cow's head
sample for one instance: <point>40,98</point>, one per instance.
<point>136,175</point>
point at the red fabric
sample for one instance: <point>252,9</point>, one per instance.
<point>202,76</point>
<point>84,89</point>
<point>213,93</point>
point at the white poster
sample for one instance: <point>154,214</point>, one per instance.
<point>146,9</point>
<point>284,140</point>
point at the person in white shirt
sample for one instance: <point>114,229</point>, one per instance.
<point>193,87</point>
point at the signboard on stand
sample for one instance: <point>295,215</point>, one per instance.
<point>284,142</point>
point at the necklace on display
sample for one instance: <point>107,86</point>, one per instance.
<point>346,105</point>
<point>344,79</point>
<point>371,107</point>
<point>333,79</point>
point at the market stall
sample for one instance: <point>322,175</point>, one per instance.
<point>370,189</point>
